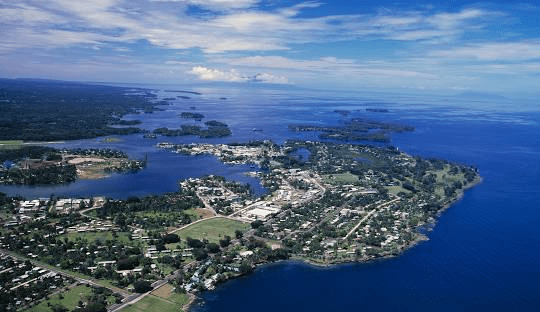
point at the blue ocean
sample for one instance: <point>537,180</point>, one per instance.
<point>482,254</point>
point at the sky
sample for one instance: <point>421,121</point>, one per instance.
<point>438,46</point>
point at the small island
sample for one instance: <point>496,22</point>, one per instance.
<point>215,129</point>
<point>356,129</point>
<point>190,115</point>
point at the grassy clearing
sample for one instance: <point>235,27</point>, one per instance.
<point>341,178</point>
<point>198,213</point>
<point>112,140</point>
<point>154,303</point>
<point>10,144</point>
<point>213,229</point>
<point>70,299</point>
<point>396,189</point>
<point>444,177</point>
<point>166,292</point>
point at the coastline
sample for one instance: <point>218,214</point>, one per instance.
<point>320,265</point>
<point>187,306</point>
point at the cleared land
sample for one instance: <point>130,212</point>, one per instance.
<point>167,292</point>
<point>213,229</point>
<point>199,213</point>
<point>162,299</point>
<point>70,299</point>
<point>10,144</point>
<point>340,178</point>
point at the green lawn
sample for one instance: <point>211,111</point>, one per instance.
<point>10,144</point>
<point>192,213</point>
<point>70,299</point>
<point>396,189</point>
<point>341,178</point>
<point>154,303</point>
<point>448,178</point>
<point>213,229</point>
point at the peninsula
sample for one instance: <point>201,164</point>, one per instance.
<point>326,203</point>
<point>32,164</point>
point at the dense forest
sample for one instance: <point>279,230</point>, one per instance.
<point>32,164</point>
<point>215,129</point>
<point>40,110</point>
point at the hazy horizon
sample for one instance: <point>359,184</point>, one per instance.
<point>434,47</point>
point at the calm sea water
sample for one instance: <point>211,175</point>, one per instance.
<point>482,255</point>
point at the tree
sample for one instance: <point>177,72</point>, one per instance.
<point>93,307</point>
<point>238,234</point>
<point>256,224</point>
<point>213,248</point>
<point>225,241</point>
<point>142,286</point>
<point>194,243</point>
<point>200,254</point>
<point>171,238</point>
<point>245,267</point>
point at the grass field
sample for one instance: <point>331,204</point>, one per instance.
<point>166,292</point>
<point>162,299</point>
<point>112,140</point>
<point>10,144</point>
<point>396,189</point>
<point>198,213</point>
<point>341,178</point>
<point>70,299</point>
<point>445,176</point>
<point>213,229</point>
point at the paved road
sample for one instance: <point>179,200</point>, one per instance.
<point>138,296</point>
<point>79,279</point>
<point>369,215</point>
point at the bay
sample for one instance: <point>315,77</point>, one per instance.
<point>482,254</point>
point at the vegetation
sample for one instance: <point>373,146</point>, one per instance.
<point>156,303</point>
<point>215,129</point>
<point>39,110</point>
<point>213,230</point>
<point>344,203</point>
<point>190,115</point>
<point>167,210</point>
<point>356,129</point>
<point>45,165</point>
<point>69,299</point>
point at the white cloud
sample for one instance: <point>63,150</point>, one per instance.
<point>270,78</point>
<point>210,74</point>
<point>249,29</point>
<point>23,14</point>
<point>505,69</point>
<point>216,4</point>
<point>454,20</point>
<point>507,51</point>
<point>330,66</point>
<point>239,29</point>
